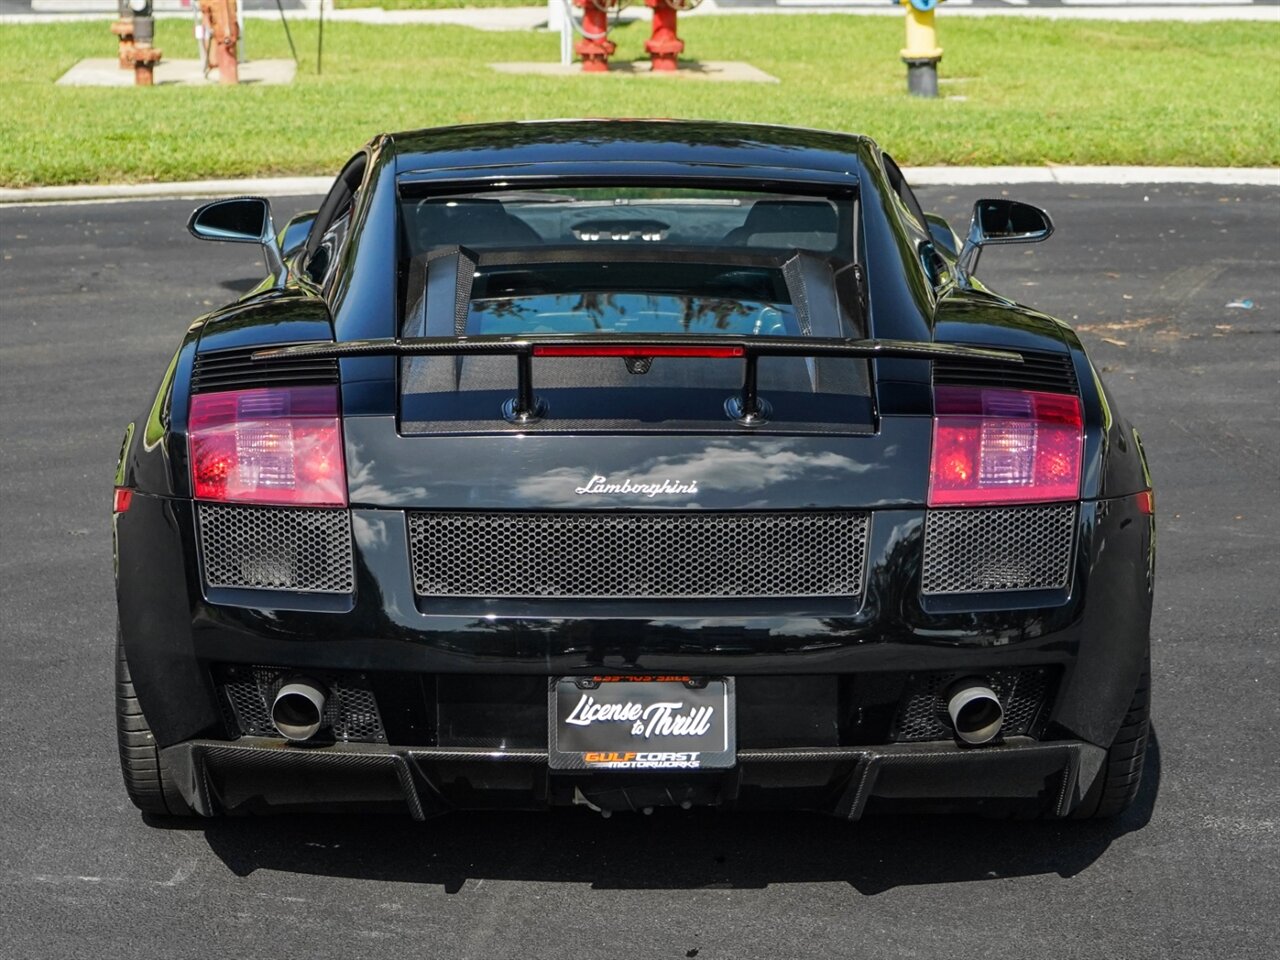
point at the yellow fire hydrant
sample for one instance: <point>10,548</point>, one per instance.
<point>922,53</point>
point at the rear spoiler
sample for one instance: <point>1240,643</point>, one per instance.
<point>525,407</point>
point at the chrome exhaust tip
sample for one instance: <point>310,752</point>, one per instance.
<point>298,710</point>
<point>975,711</point>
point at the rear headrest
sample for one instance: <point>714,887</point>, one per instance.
<point>790,216</point>
<point>471,222</point>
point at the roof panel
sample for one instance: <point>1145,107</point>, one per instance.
<point>591,142</point>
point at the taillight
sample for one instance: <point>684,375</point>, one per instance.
<point>1004,446</point>
<point>122,500</point>
<point>268,445</point>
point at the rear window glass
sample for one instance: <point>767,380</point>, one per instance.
<point>629,260</point>
<point>626,215</point>
<point>627,298</point>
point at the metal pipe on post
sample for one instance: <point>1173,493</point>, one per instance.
<point>136,31</point>
<point>922,53</point>
<point>222,33</point>
<point>123,29</point>
<point>566,32</point>
<point>145,55</point>
<point>288,34</point>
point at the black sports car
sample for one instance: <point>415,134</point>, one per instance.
<point>626,464</point>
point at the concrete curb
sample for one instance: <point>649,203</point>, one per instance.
<point>920,176</point>
<point>1085,175</point>
<point>253,186</point>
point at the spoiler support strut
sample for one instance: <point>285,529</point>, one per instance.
<point>747,408</point>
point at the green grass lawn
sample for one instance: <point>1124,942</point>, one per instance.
<point>1017,91</point>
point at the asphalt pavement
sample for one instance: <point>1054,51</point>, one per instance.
<point>93,299</point>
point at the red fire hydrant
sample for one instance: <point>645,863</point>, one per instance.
<point>664,45</point>
<point>221,34</point>
<point>595,48</point>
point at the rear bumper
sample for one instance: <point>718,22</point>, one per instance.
<point>258,774</point>
<point>1093,638</point>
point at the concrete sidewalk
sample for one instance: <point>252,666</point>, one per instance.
<point>918,176</point>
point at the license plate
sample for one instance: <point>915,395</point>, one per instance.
<point>641,723</point>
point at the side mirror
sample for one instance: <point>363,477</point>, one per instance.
<point>1001,221</point>
<point>238,220</point>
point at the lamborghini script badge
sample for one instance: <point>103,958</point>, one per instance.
<point>599,484</point>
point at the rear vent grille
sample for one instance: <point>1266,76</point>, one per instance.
<point>922,714</point>
<point>1052,372</point>
<point>998,548</point>
<point>638,555</point>
<point>276,548</point>
<point>350,711</point>
<point>237,370</point>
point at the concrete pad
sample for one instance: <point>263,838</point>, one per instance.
<point>733,71</point>
<point>106,72</point>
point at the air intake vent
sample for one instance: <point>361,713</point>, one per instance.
<point>922,714</point>
<point>277,548</point>
<point>237,370</point>
<point>638,555</point>
<point>998,548</point>
<point>1038,371</point>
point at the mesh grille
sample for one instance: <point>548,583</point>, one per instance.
<point>648,555</point>
<point>237,370</point>
<point>277,548</point>
<point>350,711</point>
<point>923,712</point>
<point>1038,371</point>
<point>998,548</point>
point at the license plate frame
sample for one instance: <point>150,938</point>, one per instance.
<point>643,723</point>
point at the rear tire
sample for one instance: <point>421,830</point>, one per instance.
<point>1118,781</point>
<point>146,776</point>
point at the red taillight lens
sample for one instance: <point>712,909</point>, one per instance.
<point>269,445</point>
<point>1004,446</point>
<point>122,500</point>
